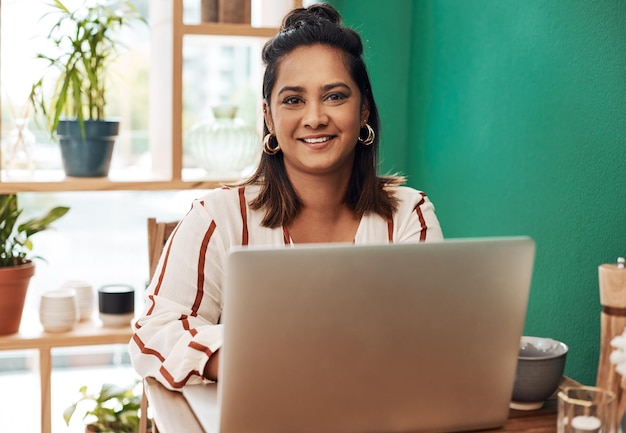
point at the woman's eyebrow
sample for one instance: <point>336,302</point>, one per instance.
<point>331,86</point>
<point>297,89</point>
<point>325,88</point>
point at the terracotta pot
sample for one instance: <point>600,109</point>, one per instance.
<point>13,286</point>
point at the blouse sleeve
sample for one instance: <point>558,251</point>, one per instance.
<point>179,328</point>
<point>415,220</point>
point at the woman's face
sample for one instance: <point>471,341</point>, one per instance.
<point>316,111</point>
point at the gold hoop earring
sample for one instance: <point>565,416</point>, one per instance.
<point>266,145</point>
<point>370,135</point>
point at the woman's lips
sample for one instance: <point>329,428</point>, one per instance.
<point>317,142</point>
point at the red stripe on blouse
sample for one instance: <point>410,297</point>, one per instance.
<point>286,236</point>
<point>420,215</point>
<point>165,260</point>
<point>146,350</point>
<point>201,261</point>
<point>170,379</point>
<point>185,322</point>
<point>151,309</point>
<point>244,216</point>
<point>200,348</point>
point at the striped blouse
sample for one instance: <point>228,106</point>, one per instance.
<point>178,329</point>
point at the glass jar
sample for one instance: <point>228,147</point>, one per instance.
<point>225,147</point>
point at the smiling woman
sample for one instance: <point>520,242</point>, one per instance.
<point>317,182</point>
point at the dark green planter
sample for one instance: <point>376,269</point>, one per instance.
<point>89,156</point>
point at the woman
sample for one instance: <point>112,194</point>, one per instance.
<point>316,182</point>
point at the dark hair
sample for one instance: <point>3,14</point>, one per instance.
<point>321,24</point>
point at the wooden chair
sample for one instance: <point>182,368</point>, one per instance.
<point>158,233</point>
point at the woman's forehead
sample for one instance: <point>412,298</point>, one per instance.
<point>313,66</point>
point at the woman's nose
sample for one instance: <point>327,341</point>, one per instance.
<point>315,115</point>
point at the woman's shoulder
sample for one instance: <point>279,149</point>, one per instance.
<point>228,209</point>
<point>225,201</point>
<point>415,217</point>
<point>228,194</point>
<point>406,194</point>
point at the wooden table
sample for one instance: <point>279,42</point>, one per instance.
<point>172,414</point>
<point>170,410</point>
<point>90,333</point>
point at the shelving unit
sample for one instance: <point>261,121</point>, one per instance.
<point>166,132</point>
<point>31,336</point>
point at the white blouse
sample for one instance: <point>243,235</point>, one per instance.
<point>179,328</point>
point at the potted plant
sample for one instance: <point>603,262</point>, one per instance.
<point>16,266</point>
<point>86,47</point>
<point>111,409</point>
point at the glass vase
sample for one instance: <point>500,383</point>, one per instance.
<point>225,147</point>
<point>18,149</point>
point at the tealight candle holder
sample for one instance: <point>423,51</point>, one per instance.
<point>586,409</point>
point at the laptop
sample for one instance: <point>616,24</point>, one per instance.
<point>369,338</point>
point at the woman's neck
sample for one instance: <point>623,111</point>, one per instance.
<point>324,215</point>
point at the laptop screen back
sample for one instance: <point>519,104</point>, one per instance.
<point>376,338</point>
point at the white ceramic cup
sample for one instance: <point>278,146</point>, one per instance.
<point>58,310</point>
<point>85,296</point>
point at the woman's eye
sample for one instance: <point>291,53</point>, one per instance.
<point>291,100</point>
<point>336,97</point>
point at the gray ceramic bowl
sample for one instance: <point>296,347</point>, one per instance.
<point>540,366</point>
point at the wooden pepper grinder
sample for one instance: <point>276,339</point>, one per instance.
<point>612,279</point>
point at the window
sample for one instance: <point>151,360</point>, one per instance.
<point>103,238</point>
<point>220,64</point>
<point>24,27</point>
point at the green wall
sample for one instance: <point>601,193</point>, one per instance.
<point>511,115</point>
<point>386,32</point>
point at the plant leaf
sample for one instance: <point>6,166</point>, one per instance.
<point>36,225</point>
<point>68,412</point>
<point>15,243</point>
<point>85,38</point>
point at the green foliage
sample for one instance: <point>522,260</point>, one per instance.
<point>112,409</point>
<point>85,40</point>
<point>15,243</point>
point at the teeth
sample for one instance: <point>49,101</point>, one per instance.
<point>316,140</point>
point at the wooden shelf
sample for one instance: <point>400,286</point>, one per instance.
<point>55,181</point>
<point>88,333</point>
<point>104,184</point>
<point>223,29</point>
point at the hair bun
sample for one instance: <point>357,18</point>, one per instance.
<point>310,15</point>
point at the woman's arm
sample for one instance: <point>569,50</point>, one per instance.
<point>178,333</point>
